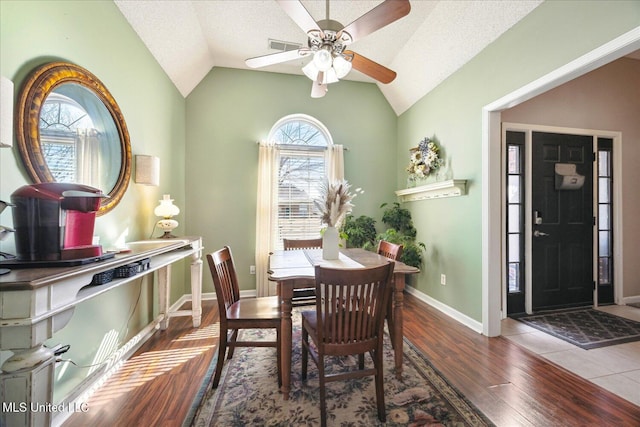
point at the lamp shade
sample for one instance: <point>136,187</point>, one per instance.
<point>342,66</point>
<point>323,59</point>
<point>310,70</point>
<point>147,170</point>
<point>6,112</point>
<point>166,208</point>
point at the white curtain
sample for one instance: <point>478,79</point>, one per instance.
<point>265,215</point>
<point>335,162</point>
<point>88,158</point>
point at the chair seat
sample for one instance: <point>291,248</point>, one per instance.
<point>254,308</point>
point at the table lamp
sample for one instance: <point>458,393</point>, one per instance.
<point>166,209</point>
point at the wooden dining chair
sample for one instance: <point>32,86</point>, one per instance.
<point>290,244</point>
<point>390,250</point>
<point>348,320</point>
<point>304,292</point>
<point>236,313</point>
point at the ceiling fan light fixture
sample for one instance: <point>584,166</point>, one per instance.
<point>310,70</point>
<point>322,59</point>
<point>330,76</point>
<point>341,66</point>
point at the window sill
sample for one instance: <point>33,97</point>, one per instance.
<point>437,190</point>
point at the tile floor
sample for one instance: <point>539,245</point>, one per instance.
<point>616,368</point>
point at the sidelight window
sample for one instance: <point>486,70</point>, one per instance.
<point>515,217</point>
<point>605,213</point>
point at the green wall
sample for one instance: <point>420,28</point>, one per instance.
<point>231,110</point>
<point>95,35</point>
<point>552,35</point>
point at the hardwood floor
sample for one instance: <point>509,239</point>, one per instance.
<point>509,384</point>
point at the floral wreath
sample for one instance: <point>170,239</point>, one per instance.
<point>424,159</point>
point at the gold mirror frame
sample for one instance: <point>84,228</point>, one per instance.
<point>35,91</point>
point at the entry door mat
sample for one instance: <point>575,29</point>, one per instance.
<point>585,327</point>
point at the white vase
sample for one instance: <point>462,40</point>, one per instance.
<point>330,243</point>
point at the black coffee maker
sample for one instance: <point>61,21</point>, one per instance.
<point>55,221</point>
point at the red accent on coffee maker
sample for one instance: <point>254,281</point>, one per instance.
<point>55,221</point>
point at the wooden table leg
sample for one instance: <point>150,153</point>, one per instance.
<point>285,292</point>
<point>396,324</point>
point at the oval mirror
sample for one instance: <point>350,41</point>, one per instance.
<point>70,129</point>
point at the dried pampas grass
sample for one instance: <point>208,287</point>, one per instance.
<point>334,202</point>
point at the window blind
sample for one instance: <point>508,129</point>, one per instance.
<point>300,175</point>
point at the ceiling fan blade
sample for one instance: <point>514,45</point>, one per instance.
<point>299,14</point>
<point>371,68</point>
<point>318,89</point>
<point>378,17</point>
<point>276,58</point>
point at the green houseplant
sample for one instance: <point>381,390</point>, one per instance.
<point>360,231</point>
<point>401,230</point>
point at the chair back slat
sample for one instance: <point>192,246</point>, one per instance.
<point>390,250</point>
<point>352,303</point>
<point>225,279</point>
<point>290,244</point>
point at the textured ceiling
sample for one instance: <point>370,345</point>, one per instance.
<point>188,38</point>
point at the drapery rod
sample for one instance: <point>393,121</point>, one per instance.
<point>304,147</point>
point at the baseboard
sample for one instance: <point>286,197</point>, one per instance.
<point>631,300</point>
<point>454,314</point>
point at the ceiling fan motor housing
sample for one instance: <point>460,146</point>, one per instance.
<point>332,38</point>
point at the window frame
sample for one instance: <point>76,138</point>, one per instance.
<point>310,224</point>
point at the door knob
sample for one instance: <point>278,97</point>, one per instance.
<point>538,233</point>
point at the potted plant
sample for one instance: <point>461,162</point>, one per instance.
<point>402,231</point>
<point>360,231</point>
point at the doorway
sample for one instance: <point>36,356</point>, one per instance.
<point>558,228</point>
<point>493,267</point>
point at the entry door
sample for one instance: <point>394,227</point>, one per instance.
<point>563,221</point>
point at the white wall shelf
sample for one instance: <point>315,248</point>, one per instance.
<point>436,190</point>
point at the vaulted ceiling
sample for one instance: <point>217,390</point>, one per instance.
<point>190,37</point>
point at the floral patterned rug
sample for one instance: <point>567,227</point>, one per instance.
<point>585,327</point>
<point>248,394</point>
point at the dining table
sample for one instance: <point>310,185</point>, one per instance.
<point>293,269</point>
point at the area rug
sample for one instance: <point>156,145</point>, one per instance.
<point>587,328</point>
<point>248,395</point>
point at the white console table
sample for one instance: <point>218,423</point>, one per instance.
<point>36,302</point>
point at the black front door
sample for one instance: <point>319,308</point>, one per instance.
<point>563,221</point>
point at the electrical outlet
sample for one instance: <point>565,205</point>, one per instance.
<point>252,269</point>
<point>443,279</point>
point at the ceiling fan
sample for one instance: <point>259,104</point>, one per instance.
<point>327,42</point>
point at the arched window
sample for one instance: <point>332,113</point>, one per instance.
<point>61,121</point>
<point>302,142</point>
<point>297,157</point>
